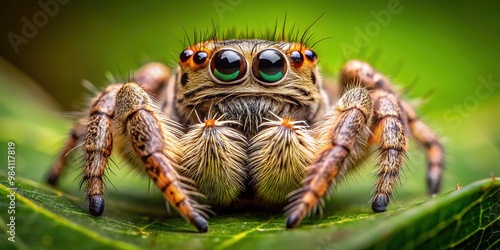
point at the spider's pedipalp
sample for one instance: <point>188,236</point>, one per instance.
<point>343,133</point>
<point>214,156</point>
<point>155,139</point>
<point>278,158</point>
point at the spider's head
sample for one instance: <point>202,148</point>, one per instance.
<point>246,80</point>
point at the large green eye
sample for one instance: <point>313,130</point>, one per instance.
<point>228,66</point>
<point>269,66</point>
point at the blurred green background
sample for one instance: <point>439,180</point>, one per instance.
<point>446,51</point>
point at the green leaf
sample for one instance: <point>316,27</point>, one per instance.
<point>47,218</point>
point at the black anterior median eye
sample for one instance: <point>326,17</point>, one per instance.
<point>228,66</point>
<point>269,66</point>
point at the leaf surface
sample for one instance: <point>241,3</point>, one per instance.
<point>45,217</point>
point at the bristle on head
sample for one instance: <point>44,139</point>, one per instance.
<point>293,34</point>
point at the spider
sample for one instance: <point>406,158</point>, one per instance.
<point>250,120</point>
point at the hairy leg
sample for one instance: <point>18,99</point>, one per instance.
<point>403,117</point>
<point>77,133</point>
<point>343,136</point>
<point>98,146</point>
<point>155,139</point>
<point>152,77</point>
<point>388,128</point>
<point>430,142</point>
<point>390,133</point>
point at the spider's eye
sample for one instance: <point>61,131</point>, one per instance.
<point>200,57</point>
<point>269,66</point>
<point>311,56</point>
<point>228,66</point>
<point>296,58</point>
<point>185,55</point>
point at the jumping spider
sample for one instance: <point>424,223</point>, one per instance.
<point>272,132</point>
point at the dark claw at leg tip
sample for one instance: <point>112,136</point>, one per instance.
<point>201,224</point>
<point>52,180</point>
<point>292,222</point>
<point>96,205</point>
<point>433,191</point>
<point>379,205</point>
<point>433,185</point>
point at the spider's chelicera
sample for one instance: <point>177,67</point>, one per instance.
<point>250,120</point>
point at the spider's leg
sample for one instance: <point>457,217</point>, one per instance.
<point>403,116</point>
<point>343,135</point>
<point>155,139</point>
<point>98,145</point>
<point>430,141</point>
<point>389,127</point>
<point>156,80</point>
<point>389,131</point>
<point>77,133</point>
<point>152,77</point>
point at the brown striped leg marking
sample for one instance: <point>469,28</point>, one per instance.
<point>393,118</point>
<point>389,131</point>
<point>141,121</point>
<point>152,77</point>
<point>347,127</point>
<point>430,142</point>
<point>98,146</point>
<point>389,128</point>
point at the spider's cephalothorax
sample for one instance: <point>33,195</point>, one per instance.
<point>248,81</point>
<point>250,117</point>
